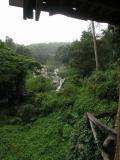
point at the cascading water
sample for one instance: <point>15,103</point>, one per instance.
<point>57,81</point>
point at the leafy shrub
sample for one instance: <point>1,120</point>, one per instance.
<point>64,131</point>
<point>69,118</point>
<point>27,113</point>
<point>75,80</point>
<point>70,90</point>
<point>88,103</point>
<point>13,72</point>
<point>85,104</point>
<point>38,84</point>
<point>104,85</point>
<point>69,72</point>
<point>46,103</point>
<point>83,144</point>
<point>63,102</point>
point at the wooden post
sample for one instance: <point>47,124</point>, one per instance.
<point>38,9</point>
<point>117,155</point>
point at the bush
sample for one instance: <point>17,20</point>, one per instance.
<point>69,118</point>
<point>85,104</point>
<point>88,103</point>
<point>27,113</point>
<point>52,102</point>
<point>69,71</point>
<point>83,144</point>
<point>38,84</point>
<point>70,90</point>
<point>104,85</point>
<point>65,102</point>
<point>46,103</point>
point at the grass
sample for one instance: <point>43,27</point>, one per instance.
<point>39,141</point>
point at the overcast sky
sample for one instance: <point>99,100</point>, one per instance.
<point>56,28</point>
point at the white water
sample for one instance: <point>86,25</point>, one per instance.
<point>60,84</point>
<point>57,81</point>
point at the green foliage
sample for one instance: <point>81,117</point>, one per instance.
<point>38,84</point>
<point>87,103</point>
<point>59,115</point>
<point>70,118</point>
<point>40,141</point>
<point>67,96</point>
<point>68,72</point>
<point>46,103</point>
<point>10,43</point>
<point>82,54</point>
<point>65,131</point>
<point>70,90</point>
<point>62,55</point>
<point>13,73</point>
<point>27,113</point>
<point>43,51</point>
<point>82,141</point>
<point>111,44</point>
<point>104,85</point>
<point>23,50</point>
<point>83,144</point>
<point>72,76</point>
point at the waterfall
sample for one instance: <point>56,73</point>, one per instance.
<point>60,84</point>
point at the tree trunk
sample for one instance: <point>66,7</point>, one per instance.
<point>95,46</point>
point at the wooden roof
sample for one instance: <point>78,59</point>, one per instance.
<point>99,10</point>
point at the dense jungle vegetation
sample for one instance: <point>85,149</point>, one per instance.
<point>39,123</point>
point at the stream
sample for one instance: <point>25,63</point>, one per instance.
<point>57,81</point>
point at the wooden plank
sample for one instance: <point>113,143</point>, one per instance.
<point>28,9</point>
<point>94,132</point>
<point>101,126</point>
<point>38,9</point>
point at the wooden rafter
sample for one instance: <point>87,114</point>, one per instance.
<point>99,10</point>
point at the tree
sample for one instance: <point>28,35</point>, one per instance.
<point>95,46</point>
<point>62,54</point>
<point>10,43</point>
<point>22,50</point>
<point>82,54</point>
<point>13,72</point>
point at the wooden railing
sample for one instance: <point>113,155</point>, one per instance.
<point>109,144</point>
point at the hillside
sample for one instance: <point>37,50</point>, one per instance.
<point>43,50</point>
<point>39,122</point>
